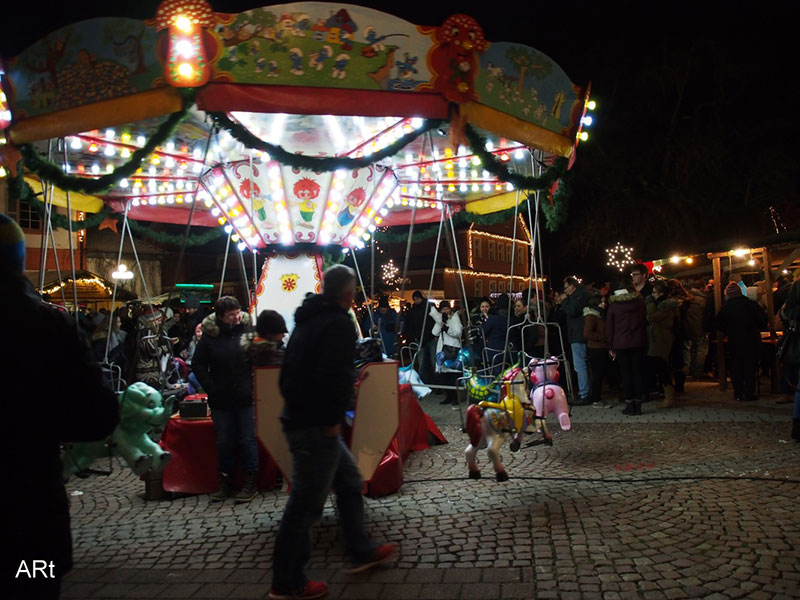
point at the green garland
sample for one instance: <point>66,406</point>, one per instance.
<point>522,182</point>
<point>420,233</point>
<point>54,173</point>
<point>175,239</point>
<point>555,210</point>
<point>312,163</point>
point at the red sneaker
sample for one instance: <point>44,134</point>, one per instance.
<point>381,555</point>
<point>313,589</point>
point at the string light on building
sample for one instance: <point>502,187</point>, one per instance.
<point>620,256</point>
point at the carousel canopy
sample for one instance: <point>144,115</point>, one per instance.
<point>300,123</point>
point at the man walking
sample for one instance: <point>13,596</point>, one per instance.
<point>574,299</point>
<point>317,385</point>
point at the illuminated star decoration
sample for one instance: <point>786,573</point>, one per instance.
<point>390,273</point>
<point>620,256</point>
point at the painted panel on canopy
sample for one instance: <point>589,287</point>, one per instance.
<point>323,45</point>
<point>529,85</point>
<point>86,62</point>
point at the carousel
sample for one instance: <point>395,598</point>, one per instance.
<point>298,131</point>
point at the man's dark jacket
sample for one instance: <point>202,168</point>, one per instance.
<point>413,323</point>
<point>573,309</point>
<point>221,365</point>
<point>317,377</point>
<point>742,321</point>
<point>53,391</point>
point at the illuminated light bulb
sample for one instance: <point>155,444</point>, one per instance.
<point>183,23</point>
<point>141,141</point>
<point>155,160</point>
<point>584,136</point>
<point>463,187</point>
<point>228,229</point>
<point>221,220</point>
<point>739,252</point>
<point>416,122</point>
<point>476,161</point>
<point>751,262</point>
<point>123,183</point>
<point>170,199</point>
<point>378,220</point>
<point>487,187</point>
<point>161,200</point>
<point>75,144</point>
<point>385,212</point>
<point>241,246</point>
<point>152,171</point>
<point>209,203</point>
<point>197,168</point>
<point>135,202</point>
<point>93,147</point>
<point>152,201</point>
<point>489,145</point>
<point>125,153</point>
<point>110,133</point>
<point>215,211</point>
<point>510,187</point>
<point>587,120</point>
<point>109,168</point>
<point>689,260</point>
<point>185,70</point>
<point>404,202</point>
<point>126,137</point>
<point>448,152</point>
<point>109,150</point>
<point>365,237</point>
<point>475,187</point>
<point>189,199</point>
<point>185,48</point>
<point>170,162</point>
<point>675,260</point>
<point>591,105</point>
<point>390,203</point>
<point>235,237</point>
<point>504,157</point>
<point>519,154</point>
<point>95,169</point>
<point>451,188</point>
<point>451,175</point>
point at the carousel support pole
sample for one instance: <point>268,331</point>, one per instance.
<point>372,269</point>
<point>720,350</point>
<point>244,274</point>
<point>71,245</point>
<point>55,258</point>
<point>255,275</point>
<point>224,265</point>
<point>776,364</point>
<point>116,282</point>
<point>46,232</point>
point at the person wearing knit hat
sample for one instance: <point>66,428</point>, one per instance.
<point>12,245</point>
<point>732,290</point>
<point>742,320</point>
<point>76,406</point>
<point>383,325</point>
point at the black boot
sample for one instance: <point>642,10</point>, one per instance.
<point>796,429</point>
<point>249,488</point>
<point>225,488</point>
<point>632,408</point>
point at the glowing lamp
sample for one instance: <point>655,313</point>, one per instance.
<point>689,260</point>
<point>675,260</point>
<point>591,105</point>
<point>584,136</point>
<point>186,64</point>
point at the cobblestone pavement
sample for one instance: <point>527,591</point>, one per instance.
<point>681,503</point>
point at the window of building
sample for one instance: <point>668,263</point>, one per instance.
<point>509,256</point>
<point>492,285</point>
<point>501,287</point>
<point>476,247</point>
<point>479,288</point>
<point>24,214</point>
<point>491,250</point>
<point>521,255</point>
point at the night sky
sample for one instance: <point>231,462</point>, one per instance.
<point>696,129</point>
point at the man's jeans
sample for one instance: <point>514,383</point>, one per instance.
<point>320,463</point>
<point>579,363</point>
<point>236,427</point>
<point>694,355</point>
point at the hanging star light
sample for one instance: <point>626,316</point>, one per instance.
<point>620,256</point>
<point>389,273</point>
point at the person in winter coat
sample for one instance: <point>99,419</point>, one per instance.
<point>447,330</point>
<point>662,315</point>
<point>385,321</point>
<point>416,318</point>
<point>53,391</point>
<point>696,325</point>
<point>152,349</point>
<point>626,332</point>
<point>494,332</point>
<point>116,354</point>
<point>223,370</point>
<point>317,383</point>
<point>742,320</point>
<point>790,311</point>
<point>264,348</point>
<point>594,328</point>
<point>574,299</point>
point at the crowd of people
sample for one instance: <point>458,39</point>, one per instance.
<point>632,340</point>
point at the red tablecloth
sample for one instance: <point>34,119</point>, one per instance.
<point>194,467</point>
<point>415,432</point>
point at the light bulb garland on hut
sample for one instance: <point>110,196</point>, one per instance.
<point>620,256</point>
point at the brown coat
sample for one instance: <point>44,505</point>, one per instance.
<point>594,329</point>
